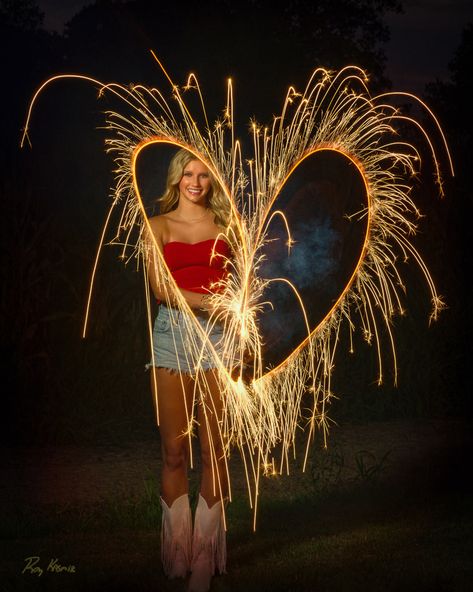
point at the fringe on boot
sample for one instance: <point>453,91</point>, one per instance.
<point>176,528</point>
<point>209,546</point>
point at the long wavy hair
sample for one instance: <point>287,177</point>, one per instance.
<point>217,201</point>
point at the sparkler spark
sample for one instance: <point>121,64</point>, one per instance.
<point>335,112</point>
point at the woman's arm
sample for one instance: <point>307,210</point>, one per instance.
<point>154,243</point>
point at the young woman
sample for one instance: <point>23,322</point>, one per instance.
<point>188,232</point>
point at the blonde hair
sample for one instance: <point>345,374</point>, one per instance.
<point>217,200</point>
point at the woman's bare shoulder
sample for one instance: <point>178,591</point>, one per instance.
<point>159,219</point>
<point>159,227</point>
<point>158,223</point>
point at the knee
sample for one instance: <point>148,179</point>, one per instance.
<point>175,456</point>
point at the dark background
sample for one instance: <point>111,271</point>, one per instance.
<point>388,505</point>
<point>60,388</point>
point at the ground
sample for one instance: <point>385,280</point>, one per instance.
<point>387,506</point>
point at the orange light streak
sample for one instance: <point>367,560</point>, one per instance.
<point>334,113</point>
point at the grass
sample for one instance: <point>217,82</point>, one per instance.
<point>363,544</point>
<point>340,527</point>
<point>346,542</point>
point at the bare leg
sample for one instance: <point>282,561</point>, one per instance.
<point>214,483</point>
<point>209,547</point>
<point>175,412</point>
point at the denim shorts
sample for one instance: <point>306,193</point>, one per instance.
<point>171,346</point>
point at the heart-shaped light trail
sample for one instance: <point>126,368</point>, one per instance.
<point>334,113</point>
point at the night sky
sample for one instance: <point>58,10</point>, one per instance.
<point>423,37</point>
<point>423,40</point>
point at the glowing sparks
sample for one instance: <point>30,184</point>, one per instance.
<point>262,407</point>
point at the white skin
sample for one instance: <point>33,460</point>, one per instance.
<point>190,222</point>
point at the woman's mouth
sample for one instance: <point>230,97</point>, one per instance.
<point>194,191</point>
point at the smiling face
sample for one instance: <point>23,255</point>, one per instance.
<point>195,184</point>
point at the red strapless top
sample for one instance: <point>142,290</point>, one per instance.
<point>196,266</point>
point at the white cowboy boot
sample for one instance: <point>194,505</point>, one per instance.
<point>176,527</point>
<point>209,547</point>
